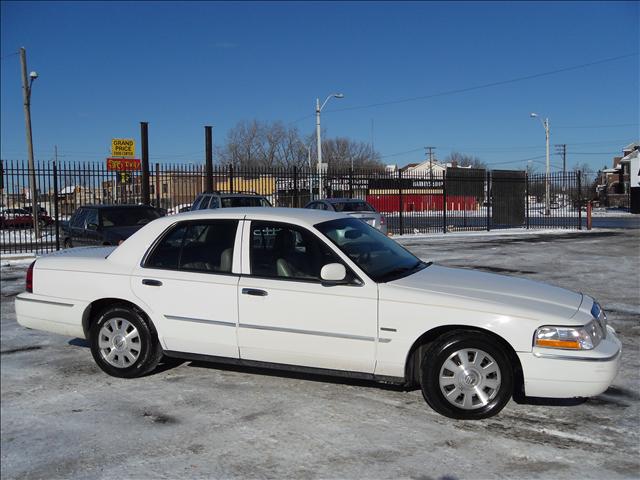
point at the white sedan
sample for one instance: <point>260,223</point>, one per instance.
<point>321,292</point>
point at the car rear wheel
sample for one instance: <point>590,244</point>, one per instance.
<point>124,343</point>
<point>466,375</point>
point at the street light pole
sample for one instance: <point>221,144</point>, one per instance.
<point>26,96</point>
<point>547,200</point>
<point>319,140</point>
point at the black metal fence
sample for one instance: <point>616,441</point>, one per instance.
<point>458,199</point>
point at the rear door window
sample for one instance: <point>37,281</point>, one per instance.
<point>203,246</point>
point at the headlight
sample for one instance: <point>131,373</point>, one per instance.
<point>569,338</point>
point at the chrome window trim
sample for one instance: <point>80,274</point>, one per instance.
<point>346,336</point>
<point>200,320</point>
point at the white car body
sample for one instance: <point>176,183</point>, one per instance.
<point>370,330</point>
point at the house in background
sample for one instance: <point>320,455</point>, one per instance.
<point>613,188</point>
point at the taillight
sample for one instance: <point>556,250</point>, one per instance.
<point>29,281</point>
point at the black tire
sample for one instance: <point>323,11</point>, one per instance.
<point>464,384</point>
<point>146,349</point>
<point>67,243</point>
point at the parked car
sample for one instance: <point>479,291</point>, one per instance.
<point>353,207</point>
<point>218,199</point>
<point>183,207</point>
<point>106,224</point>
<point>22,218</point>
<point>321,292</point>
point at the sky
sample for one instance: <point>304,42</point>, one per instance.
<point>413,74</point>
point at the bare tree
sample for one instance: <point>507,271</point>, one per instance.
<point>254,144</point>
<point>344,153</point>
<point>465,160</point>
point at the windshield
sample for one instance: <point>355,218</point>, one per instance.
<point>228,202</point>
<point>380,257</point>
<point>125,217</point>
<point>352,207</point>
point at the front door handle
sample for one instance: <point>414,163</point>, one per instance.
<point>255,292</point>
<point>151,283</point>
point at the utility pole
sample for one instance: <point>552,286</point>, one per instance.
<point>26,96</point>
<point>430,149</point>
<point>561,149</point>
<point>547,200</point>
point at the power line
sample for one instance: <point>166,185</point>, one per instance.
<point>476,87</point>
<point>612,125</point>
<point>516,161</point>
<point>502,149</point>
<point>486,85</point>
<point>9,55</point>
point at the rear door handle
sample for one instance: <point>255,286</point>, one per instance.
<point>151,283</point>
<point>255,292</point>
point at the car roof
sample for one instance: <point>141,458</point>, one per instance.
<point>115,207</point>
<point>228,194</point>
<point>134,247</point>
<point>344,200</point>
<point>300,216</point>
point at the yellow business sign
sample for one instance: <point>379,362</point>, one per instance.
<point>123,147</point>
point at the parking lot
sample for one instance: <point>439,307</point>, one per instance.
<point>62,417</point>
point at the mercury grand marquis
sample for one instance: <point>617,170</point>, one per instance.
<point>320,292</point>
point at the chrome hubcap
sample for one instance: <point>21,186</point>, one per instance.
<point>119,342</point>
<point>469,378</point>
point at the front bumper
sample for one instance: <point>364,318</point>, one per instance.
<point>554,373</point>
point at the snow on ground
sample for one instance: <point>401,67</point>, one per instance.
<point>62,417</point>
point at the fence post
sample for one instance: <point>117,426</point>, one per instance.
<point>295,187</point>
<point>55,204</point>
<point>230,178</point>
<point>444,201</point>
<point>350,182</point>
<point>157,185</point>
<point>400,208</point>
<point>208,166</point>
<point>489,202</point>
<point>526,193</point>
<point>144,134</point>
<point>578,179</point>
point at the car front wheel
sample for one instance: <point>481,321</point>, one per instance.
<point>123,343</point>
<point>466,375</point>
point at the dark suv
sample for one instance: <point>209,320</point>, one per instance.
<point>106,224</point>
<point>217,199</point>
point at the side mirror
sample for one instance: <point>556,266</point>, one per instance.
<point>92,226</point>
<point>333,274</point>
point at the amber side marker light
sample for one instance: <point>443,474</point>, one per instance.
<point>543,342</point>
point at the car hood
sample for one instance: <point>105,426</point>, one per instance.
<point>489,292</point>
